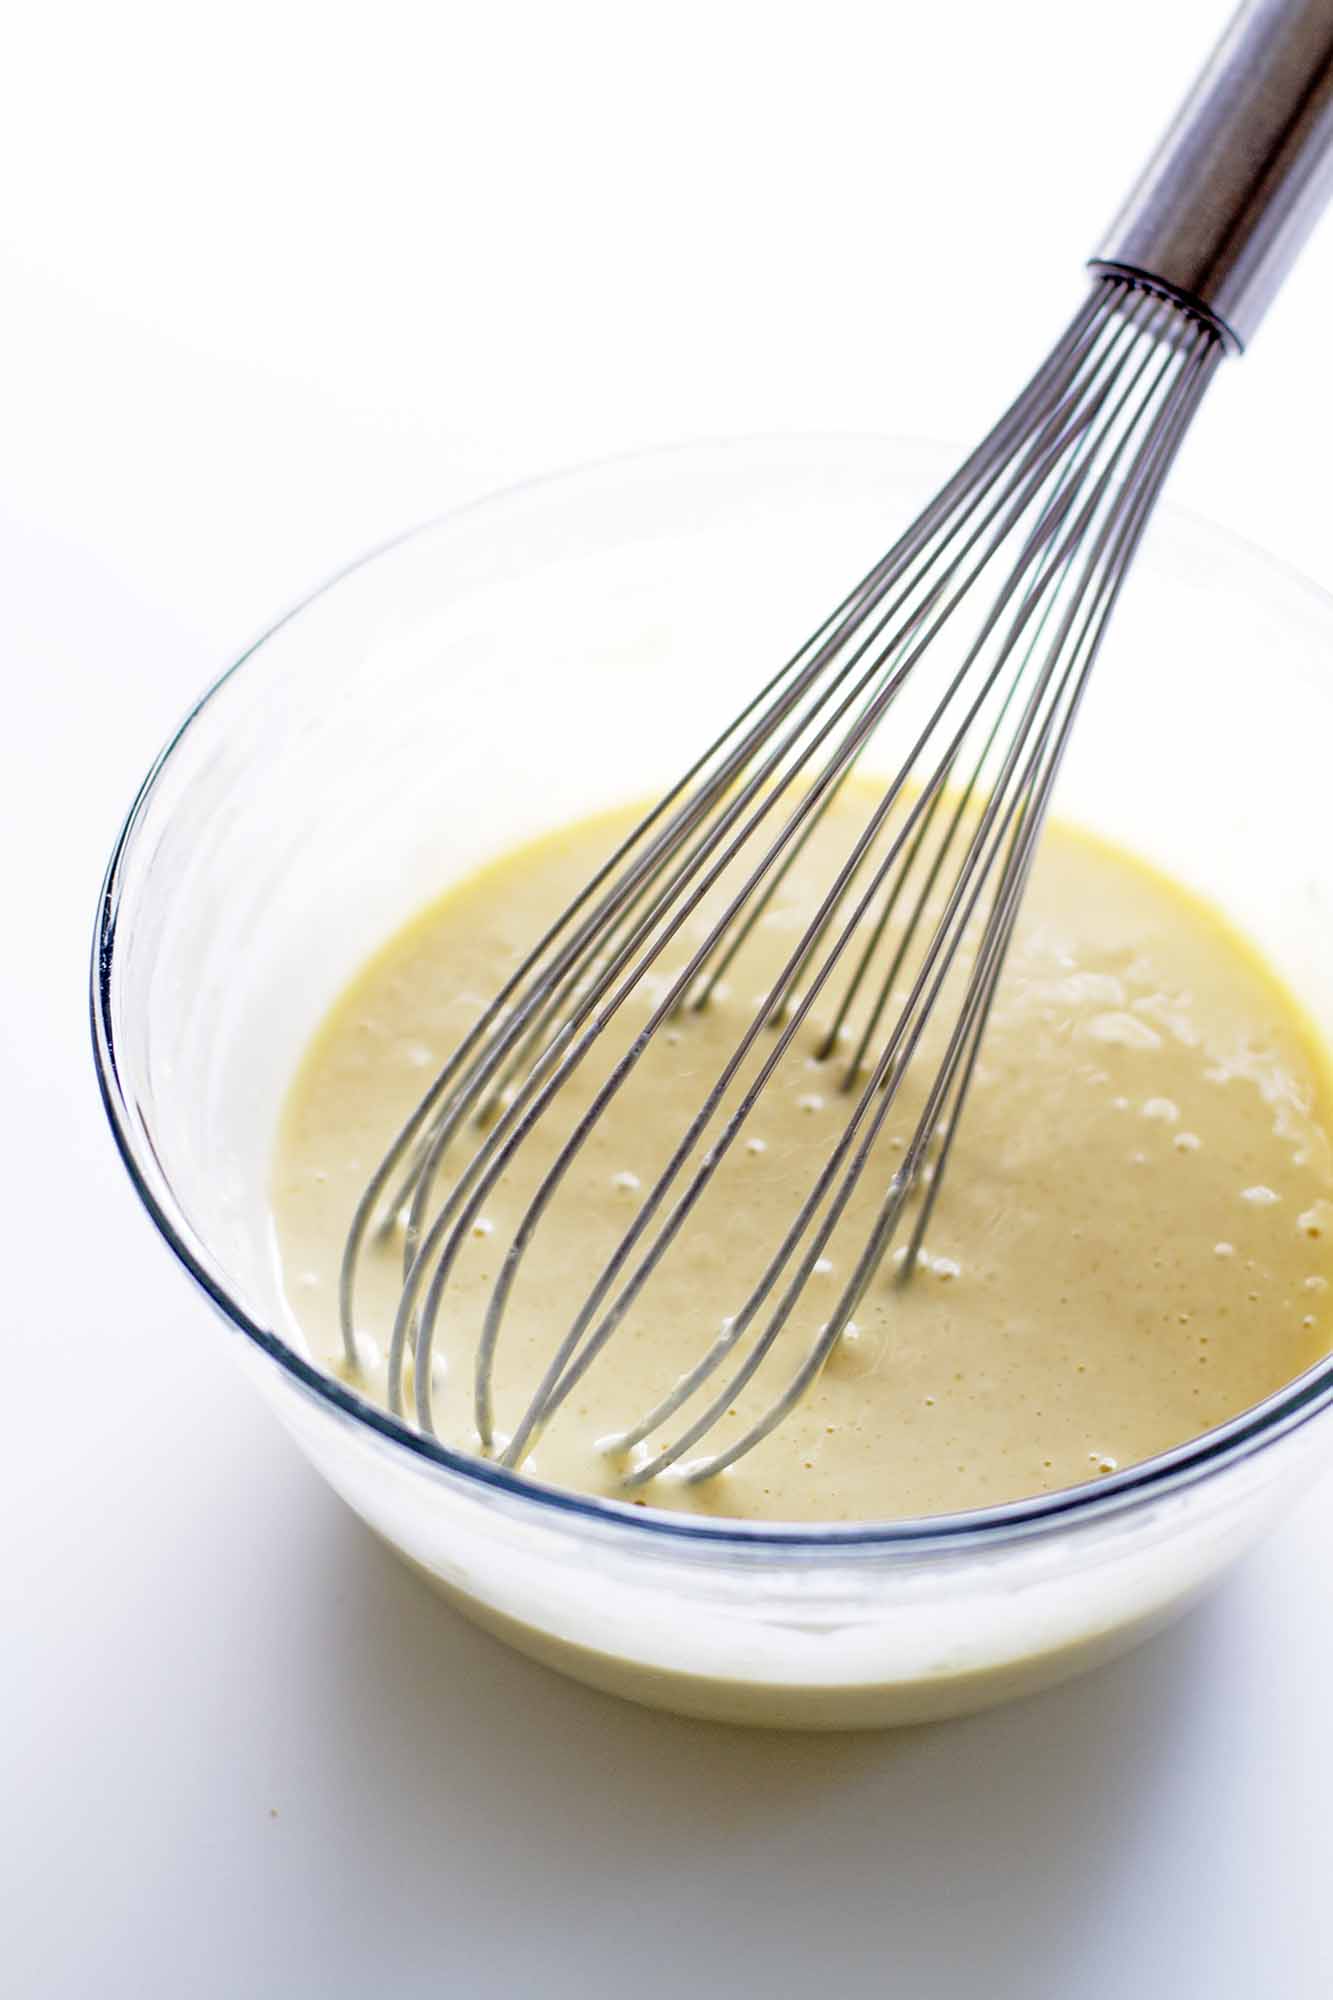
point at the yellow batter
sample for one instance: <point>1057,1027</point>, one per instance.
<point>1132,1243</point>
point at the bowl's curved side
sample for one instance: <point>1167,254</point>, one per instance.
<point>652,528</point>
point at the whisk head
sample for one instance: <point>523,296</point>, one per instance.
<point>972,640</point>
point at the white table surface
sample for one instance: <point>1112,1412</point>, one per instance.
<point>275,281</point>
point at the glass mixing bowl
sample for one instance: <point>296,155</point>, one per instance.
<point>569,646</point>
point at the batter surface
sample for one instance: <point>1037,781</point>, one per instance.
<point>1133,1242</point>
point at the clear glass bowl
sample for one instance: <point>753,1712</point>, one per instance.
<point>566,646</point>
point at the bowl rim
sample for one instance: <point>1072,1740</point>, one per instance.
<point>1146,1481</point>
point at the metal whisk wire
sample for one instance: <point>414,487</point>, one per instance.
<point>1068,475</point>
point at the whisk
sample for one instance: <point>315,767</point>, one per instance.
<point>974,637</point>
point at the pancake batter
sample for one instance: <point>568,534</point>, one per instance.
<point>1131,1246</point>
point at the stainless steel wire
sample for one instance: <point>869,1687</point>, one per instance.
<point>974,637</point>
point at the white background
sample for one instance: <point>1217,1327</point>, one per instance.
<point>275,281</point>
